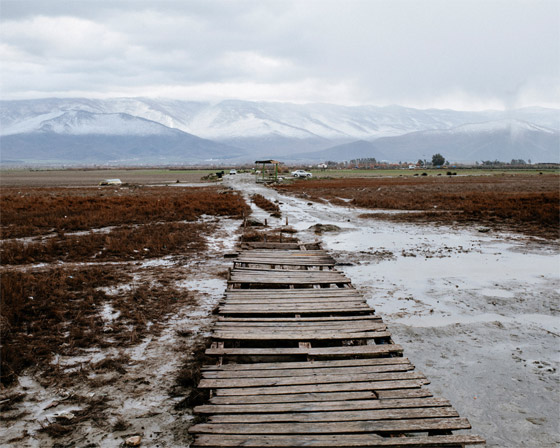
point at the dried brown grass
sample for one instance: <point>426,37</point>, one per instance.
<point>262,202</point>
<point>126,243</point>
<point>522,203</point>
<point>36,211</point>
<point>59,312</point>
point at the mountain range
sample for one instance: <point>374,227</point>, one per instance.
<point>139,131</point>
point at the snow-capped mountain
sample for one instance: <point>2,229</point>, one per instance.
<point>78,136</point>
<point>283,130</point>
<point>494,140</point>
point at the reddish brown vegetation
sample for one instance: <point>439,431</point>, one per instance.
<point>265,204</point>
<point>58,310</point>
<point>524,203</point>
<point>127,243</point>
<point>33,211</point>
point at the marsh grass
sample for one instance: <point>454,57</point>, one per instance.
<point>523,203</point>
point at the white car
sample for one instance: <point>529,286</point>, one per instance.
<point>301,173</point>
<point>232,171</point>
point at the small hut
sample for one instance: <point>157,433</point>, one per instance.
<point>266,170</point>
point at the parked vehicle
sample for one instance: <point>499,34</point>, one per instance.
<point>301,173</point>
<point>111,182</point>
<point>232,171</point>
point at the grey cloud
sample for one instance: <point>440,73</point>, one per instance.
<point>404,52</point>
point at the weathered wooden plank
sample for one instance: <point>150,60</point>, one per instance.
<point>326,292</point>
<point>282,273</point>
<point>308,364</point>
<point>366,426</point>
<point>319,397</point>
<point>296,335</point>
<point>285,271</point>
<point>345,371</point>
<point>267,276</point>
<point>327,387</point>
<point>323,406</point>
<point>264,308</point>
<point>362,350</point>
<point>337,416</point>
<point>335,441</point>
<point>301,325</point>
<point>299,319</point>
<point>213,383</point>
<point>294,303</point>
<point>295,300</point>
<point>269,309</point>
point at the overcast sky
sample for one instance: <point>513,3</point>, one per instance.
<point>468,55</point>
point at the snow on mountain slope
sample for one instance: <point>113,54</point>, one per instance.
<point>235,118</point>
<point>513,126</point>
<point>284,129</point>
<point>83,123</point>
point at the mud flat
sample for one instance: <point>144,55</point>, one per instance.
<point>477,312</point>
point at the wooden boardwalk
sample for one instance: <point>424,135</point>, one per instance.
<point>302,360</point>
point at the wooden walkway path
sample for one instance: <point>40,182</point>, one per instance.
<point>302,360</point>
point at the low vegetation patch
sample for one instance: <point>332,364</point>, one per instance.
<point>124,243</point>
<point>522,203</point>
<point>63,311</point>
<point>265,204</point>
<point>36,211</point>
<point>88,292</point>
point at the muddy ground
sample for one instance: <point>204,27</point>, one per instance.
<point>476,312</point>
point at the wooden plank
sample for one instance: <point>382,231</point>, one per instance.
<point>334,441</point>
<point>323,406</point>
<point>366,426</point>
<point>213,383</point>
<point>362,350</point>
<point>283,273</point>
<point>337,416</point>
<point>308,364</point>
<point>286,271</point>
<point>318,397</point>
<point>268,309</point>
<point>275,276</point>
<point>294,300</point>
<point>327,387</point>
<point>301,325</point>
<point>346,371</point>
<point>315,335</point>
<point>299,319</point>
<point>326,292</point>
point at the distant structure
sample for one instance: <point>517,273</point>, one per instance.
<point>268,172</point>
